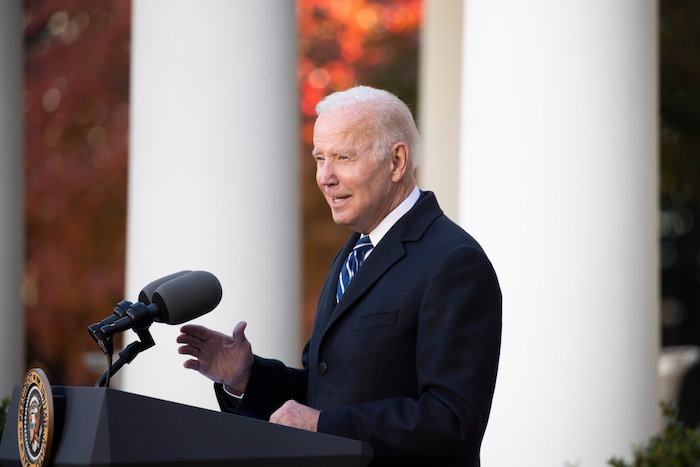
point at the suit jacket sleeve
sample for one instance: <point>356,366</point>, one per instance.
<point>458,341</point>
<point>271,384</point>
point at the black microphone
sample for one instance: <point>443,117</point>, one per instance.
<point>122,307</point>
<point>146,294</point>
<point>185,297</point>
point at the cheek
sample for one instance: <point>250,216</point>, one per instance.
<point>377,185</point>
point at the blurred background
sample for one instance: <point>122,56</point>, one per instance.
<point>76,160</point>
<point>679,41</point>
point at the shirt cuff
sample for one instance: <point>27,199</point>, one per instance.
<point>239,397</point>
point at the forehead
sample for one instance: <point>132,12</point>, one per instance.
<point>341,128</point>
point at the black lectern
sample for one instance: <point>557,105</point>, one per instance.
<point>108,427</point>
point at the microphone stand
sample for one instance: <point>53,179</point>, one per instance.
<point>105,340</point>
<point>126,356</point>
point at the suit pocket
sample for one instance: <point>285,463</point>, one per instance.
<point>375,320</point>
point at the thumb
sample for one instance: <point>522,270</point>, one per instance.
<point>238,332</point>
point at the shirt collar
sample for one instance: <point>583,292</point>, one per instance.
<point>388,222</point>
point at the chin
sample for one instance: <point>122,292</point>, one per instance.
<point>340,220</point>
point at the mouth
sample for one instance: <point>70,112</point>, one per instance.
<point>337,199</point>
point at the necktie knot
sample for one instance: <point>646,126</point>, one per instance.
<point>352,264</point>
<point>363,245</point>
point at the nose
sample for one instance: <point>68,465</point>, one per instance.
<point>325,174</point>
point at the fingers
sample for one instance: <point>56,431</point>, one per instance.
<point>191,345</point>
<point>191,364</point>
<point>188,350</point>
<point>296,415</point>
<point>193,337</point>
<point>194,330</point>
<point>279,414</point>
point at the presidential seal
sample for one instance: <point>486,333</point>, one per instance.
<point>35,420</point>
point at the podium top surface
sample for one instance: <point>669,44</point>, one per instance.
<point>104,426</point>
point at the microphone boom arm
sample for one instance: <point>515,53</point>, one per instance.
<point>127,355</point>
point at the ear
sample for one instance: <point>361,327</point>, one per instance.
<point>399,161</point>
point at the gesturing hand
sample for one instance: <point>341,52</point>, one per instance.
<point>221,358</point>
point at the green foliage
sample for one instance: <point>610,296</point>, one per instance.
<point>676,446</point>
<point>4,407</point>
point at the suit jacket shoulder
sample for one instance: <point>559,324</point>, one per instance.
<point>412,347</point>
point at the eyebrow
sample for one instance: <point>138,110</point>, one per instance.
<point>339,152</point>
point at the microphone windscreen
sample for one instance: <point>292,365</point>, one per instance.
<point>187,297</point>
<point>146,294</point>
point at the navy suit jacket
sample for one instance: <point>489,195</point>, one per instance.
<point>407,360</point>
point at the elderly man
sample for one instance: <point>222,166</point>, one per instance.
<point>404,350</point>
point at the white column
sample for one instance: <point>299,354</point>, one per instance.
<point>439,97</point>
<point>213,175</point>
<point>559,183</point>
<point>11,196</point>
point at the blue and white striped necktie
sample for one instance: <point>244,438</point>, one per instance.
<point>352,264</point>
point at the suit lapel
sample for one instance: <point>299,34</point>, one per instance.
<point>389,251</point>
<point>326,300</point>
<point>409,228</point>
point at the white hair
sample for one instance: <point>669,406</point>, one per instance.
<point>390,117</point>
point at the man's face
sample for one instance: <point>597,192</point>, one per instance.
<point>356,183</point>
